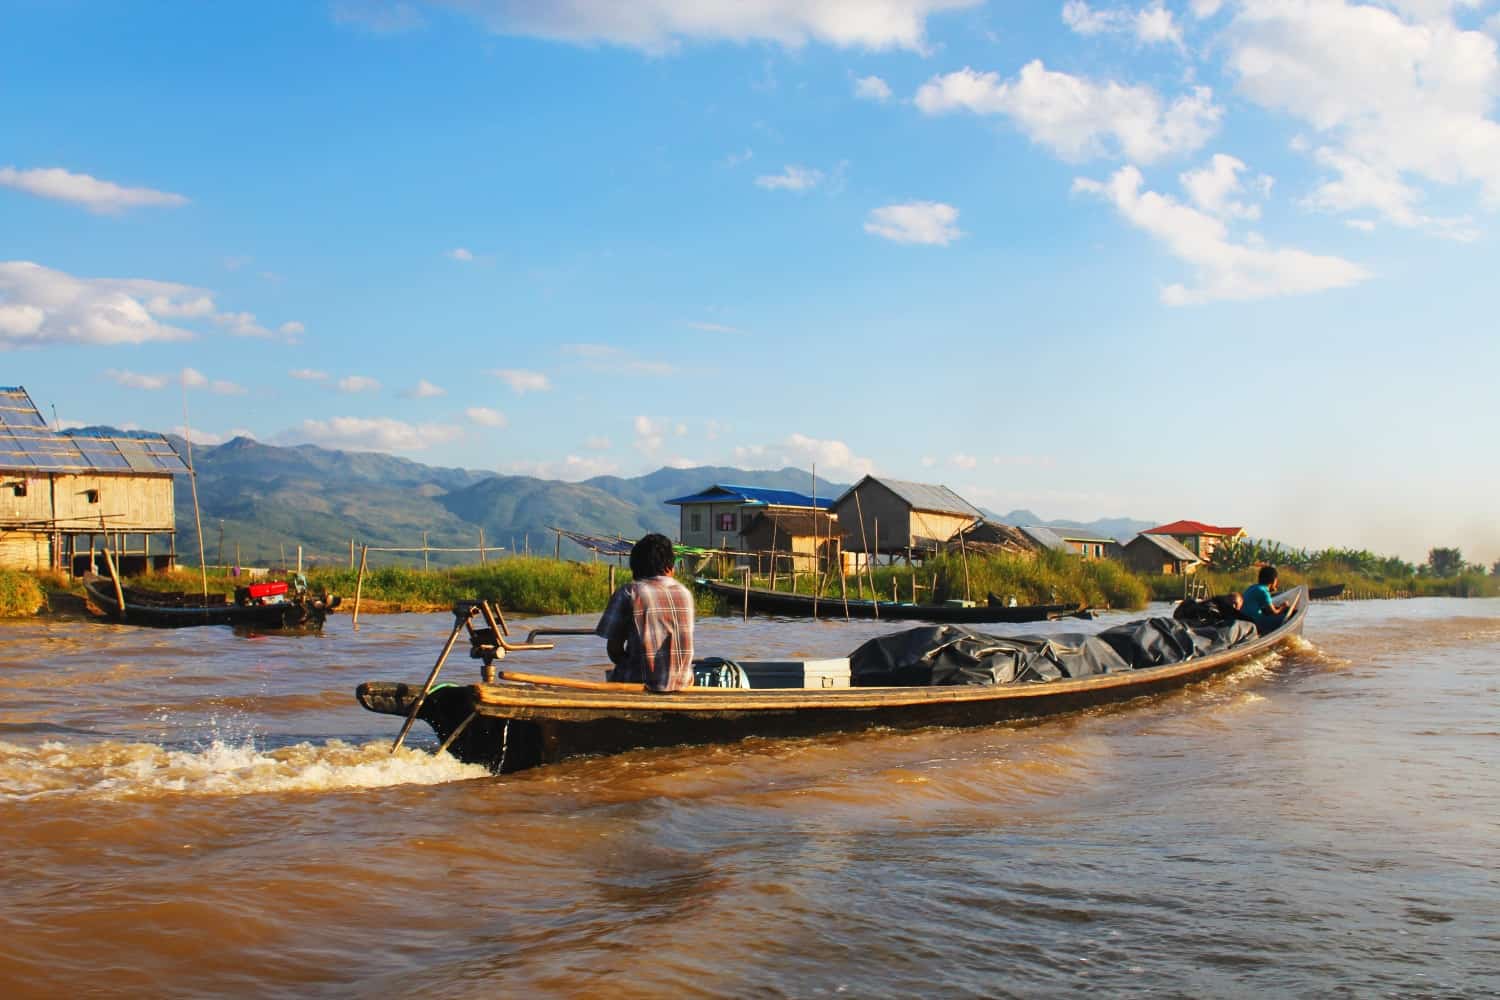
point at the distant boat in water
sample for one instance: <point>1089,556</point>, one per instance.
<point>776,602</point>
<point>272,605</point>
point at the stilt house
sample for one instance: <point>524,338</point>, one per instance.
<point>66,494</point>
<point>1163,554</point>
<point>894,517</point>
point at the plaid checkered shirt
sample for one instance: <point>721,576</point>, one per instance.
<point>654,618</point>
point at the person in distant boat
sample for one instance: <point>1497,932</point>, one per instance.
<point>648,623</point>
<point>1260,608</point>
<point>1214,612</point>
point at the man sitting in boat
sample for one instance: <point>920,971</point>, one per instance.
<point>1260,609</point>
<point>648,623</point>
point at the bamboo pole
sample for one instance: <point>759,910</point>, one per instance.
<point>351,553</point>
<point>817,581</point>
<point>747,593</point>
<point>557,548</point>
<point>359,583</point>
<point>459,621</point>
<point>864,543</point>
<point>875,594</point>
<point>187,437</point>
<point>424,552</point>
<point>963,552</point>
<point>481,547</point>
<point>843,585</point>
<point>114,576</point>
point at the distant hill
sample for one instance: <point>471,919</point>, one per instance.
<point>264,500</point>
<point>1122,529</point>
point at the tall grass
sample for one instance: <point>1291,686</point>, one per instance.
<point>1049,578</point>
<point>21,594</point>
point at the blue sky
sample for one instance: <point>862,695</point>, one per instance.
<point>1230,260</point>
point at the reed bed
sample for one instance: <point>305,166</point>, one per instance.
<point>21,594</point>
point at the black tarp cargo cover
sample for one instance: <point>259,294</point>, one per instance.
<point>954,654</point>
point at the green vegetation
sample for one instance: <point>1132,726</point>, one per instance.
<point>530,585</point>
<point>21,594</point>
<point>1050,578</point>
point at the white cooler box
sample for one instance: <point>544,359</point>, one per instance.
<point>807,674</point>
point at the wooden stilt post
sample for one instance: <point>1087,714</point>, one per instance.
<point>963,552</point>
<point>747,593</point>
<point>351,553</point>
<point>359,582</point>
<point>115,576</point>
<point>424,552</point>
<point>481,547</point>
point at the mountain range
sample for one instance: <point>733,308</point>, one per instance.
<point>260,501</point>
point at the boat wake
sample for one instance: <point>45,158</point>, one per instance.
<point>114,769</point>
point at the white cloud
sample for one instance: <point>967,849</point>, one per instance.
<point>1398,100</point>
<point>714,328</point>
<point>1078,118</point>
<point>308,374</point>
<point>1363,225</point>
<point>572,469</point>
<point>371,434</point>
<point>522,381</point>
<point>1085,20</point>
<point>1154,25</point>
<point>194,379</point>
<point>486,417</point>
<point>791,178</point>
<point>649,433</point>
<point>39,305</point>
<point>833,458</point>
<point>425,390</point>
<point>1210,188</point>
<point>1362,185</point>
<point>872,88</point>
<point>964,461</point>
<point>206,438</point>
<point>291,328</point>
<point>380,17</point>
<point>927,222</point>
<point>598,443</point>
<point>358,383</point>
<point>99,196</point>
<point>135,380</point>
<point>607,358</point>
<point>662,25</point>
<point>460,254</point>
<point>1225,270</point>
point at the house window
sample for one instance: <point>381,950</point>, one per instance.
<point>726,521</point>
<point>19,489</point>
<point>92,496</point>
<point>1098,552</point>
<point>695,521</point>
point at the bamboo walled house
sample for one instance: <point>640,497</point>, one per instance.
<point>893,517</point>
<point>64,494</point>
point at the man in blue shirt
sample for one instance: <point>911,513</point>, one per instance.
<point>1260,609</point>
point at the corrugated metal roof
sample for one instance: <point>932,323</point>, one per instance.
<point>923,496</point>
<point>1170,546</point>
<point>17,409</point>
<point>1191,528</point>
<point>1043,536</point>
<point>753,496</point>
<point>26,443</point>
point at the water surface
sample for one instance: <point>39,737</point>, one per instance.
<point>203,813</point>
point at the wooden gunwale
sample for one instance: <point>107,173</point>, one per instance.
<point>533,701</point>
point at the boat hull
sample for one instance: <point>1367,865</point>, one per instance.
<point>285,616</point>
<point>516,726</point>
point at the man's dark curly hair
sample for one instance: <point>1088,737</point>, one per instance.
<point>651,556</point>
<point>1269,576</point>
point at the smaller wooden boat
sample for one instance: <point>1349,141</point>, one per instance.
<point>270,605</point>
<point>776,602</point>
<point>1326,592</point>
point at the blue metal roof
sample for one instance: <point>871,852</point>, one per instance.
<point>27,443</point>
<point>753,496</point>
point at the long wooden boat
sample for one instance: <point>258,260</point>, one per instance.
<point>1326,592</point>
<point>518,721</point>
<point>775,602</point>
<point>281,609</point>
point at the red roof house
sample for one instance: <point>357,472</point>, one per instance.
<point>1197,537</point>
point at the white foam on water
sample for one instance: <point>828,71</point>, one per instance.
<point>114,769</point>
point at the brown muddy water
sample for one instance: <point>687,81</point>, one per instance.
<point>198,813</point>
